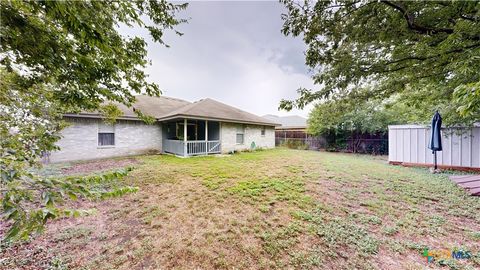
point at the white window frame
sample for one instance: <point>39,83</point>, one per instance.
<point>106,128</point>
<point>263,131</point>
<point>241,128</point>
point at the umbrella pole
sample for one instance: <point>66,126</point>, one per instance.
<point>435,160</point>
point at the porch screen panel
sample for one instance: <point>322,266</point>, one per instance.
<point>213,131</point>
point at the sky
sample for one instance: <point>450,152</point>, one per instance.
<point>233,52</point>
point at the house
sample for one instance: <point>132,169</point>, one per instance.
<point>182,128</point>
<point>289,126</point>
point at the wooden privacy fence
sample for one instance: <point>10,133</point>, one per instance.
<point>372,144</point>
<point>312,143</point>
<point>407,145</point>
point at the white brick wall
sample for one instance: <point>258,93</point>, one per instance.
<point>252,133</point>
<point>80,140</point>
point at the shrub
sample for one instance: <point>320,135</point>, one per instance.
<point>296,144</point>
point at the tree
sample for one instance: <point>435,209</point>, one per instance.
<point>425,52</point>
<point>58,57</point>
<point>342,116</point>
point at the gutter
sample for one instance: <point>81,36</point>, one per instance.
<point>133,118</point>
<point>97,116</point>
<point>217,119</point>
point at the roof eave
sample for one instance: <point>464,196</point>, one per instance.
<point>171,117</point>
<point>216,119</point>
<point>98,116</point>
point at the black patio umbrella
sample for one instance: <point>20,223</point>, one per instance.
<point>436,137</point>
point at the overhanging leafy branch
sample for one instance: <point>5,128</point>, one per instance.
<point>28,203</point>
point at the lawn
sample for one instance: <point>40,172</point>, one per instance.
<point>264,210</point>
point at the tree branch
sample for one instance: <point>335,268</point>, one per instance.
<point>469,18</point>
<point>411,20</point>
<point>423,58</point>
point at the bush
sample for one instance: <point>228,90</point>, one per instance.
<point>337,146</point>
<point>296,144</point>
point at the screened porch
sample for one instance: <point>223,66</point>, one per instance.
<point>189,137</point>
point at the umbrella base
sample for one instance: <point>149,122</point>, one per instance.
<point>433,170</point>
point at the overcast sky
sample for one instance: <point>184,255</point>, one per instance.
<point>232,52</point>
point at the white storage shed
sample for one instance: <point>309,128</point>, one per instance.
<point>407,145</point>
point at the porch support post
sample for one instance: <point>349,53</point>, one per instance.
<point>206,137</point>
<point>185,137</point>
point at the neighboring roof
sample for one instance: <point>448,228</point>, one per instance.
<point>288,122</point>
<point>212,109</point>
<point>166,108</point>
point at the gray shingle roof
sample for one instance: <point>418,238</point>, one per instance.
<point>166,108</point>
<point>212,109</point>
<point>154,106</point>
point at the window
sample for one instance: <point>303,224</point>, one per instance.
<point>240,134</point>
<point>263,131</point>
<point>105,139</point>
<point>106,135</point>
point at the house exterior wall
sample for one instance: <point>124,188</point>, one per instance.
<point>80,140</point>
<point>407,144</point>
<point>228,137</point>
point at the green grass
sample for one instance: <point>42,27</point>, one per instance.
<point>276,209</point>
<point>74,233</point>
